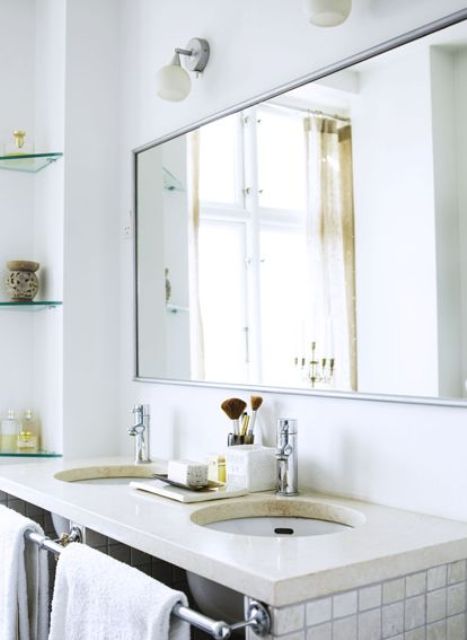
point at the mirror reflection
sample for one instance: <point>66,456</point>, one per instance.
<point>315,241</point>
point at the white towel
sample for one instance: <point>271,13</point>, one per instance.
<point>24,580</point>
<point>99,598</point>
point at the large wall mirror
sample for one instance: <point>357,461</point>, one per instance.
<point>317,240</point>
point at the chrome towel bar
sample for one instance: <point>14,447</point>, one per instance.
<point>258,618</point>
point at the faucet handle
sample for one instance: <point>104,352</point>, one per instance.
<point>141,410</point>
<point>287,426</point>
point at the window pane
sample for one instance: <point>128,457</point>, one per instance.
<point>281,161</point>
<point>222,296</point>
<point>283,291</point>
<point>219,161</point>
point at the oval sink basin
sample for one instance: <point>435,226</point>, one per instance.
<point>280,526</point>
<point>109,474</point>
<point>278,517</point>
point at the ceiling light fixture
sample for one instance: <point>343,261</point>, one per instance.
<point>327,13</point>
<point>172,81</point>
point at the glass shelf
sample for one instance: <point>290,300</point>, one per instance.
<point>174,308</point>
<point>40,304</point>
<point>28,163</point>
<point>171,183</point>
<point>37,454</point>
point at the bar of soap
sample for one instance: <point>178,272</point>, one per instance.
<point>188,472</point>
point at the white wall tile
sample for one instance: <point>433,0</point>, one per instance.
<point>345,629</point>
<point>370,597</point>
<point>344,604</point>
<point>288,619</point>
<point>298,635</point>
<point>318,611</point>
<point>393,591</point>
<point>393,619</point>
<point>436,631</point>
<point>369,625</point>
<point>415,584</point>
<point>320,632</point>
<point>436,605</point>
<point>456,572</point>
<point>456,627</point>
<point>415,634</point>
<point>437,577</point>
<point>414,612</point>
<point>456,599</point>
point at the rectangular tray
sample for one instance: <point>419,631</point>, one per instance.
<point>211,486</point>
<point>161,488</point>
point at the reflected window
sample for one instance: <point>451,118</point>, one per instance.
<point>270,309</point>
<point>281,160</point>
<point>222,285</point>
<point>282,277</point>
<point>220,162</point>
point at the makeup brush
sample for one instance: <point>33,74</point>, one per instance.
<point>256,402</point>
<point>234,408</point>
<point>244,424</point>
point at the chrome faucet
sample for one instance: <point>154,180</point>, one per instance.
<point>140,431</point>
<point>287,458</point>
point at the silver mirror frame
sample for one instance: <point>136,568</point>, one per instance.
<point>366,54</point>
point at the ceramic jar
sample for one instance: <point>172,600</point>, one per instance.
<point>22,283</point>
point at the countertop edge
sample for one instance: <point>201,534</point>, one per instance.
<point>275,591</point>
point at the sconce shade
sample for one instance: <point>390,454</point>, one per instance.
<point>327,13</point>
<point>173,83</point>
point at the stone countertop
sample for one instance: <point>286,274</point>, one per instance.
<point>277,571</point>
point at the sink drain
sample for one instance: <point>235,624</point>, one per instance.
<point>284,531</point>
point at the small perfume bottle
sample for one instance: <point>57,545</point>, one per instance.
<point>28,439</point>
<point>18,146</point>
<point>9,429</point>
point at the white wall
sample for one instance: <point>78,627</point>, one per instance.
<point>162,219</point>
<point>446,192</point>
<point>60,79</point>
<point>151,281</point>
<point>399,454</point>
<point>175,242</point>
<point>461,133</point>
<point>91,228</point>
<point>31,210</point>
<point>395,241</point>
<point>16,203</point>
<point>49,106</point>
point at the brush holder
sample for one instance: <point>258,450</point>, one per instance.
<point>252,467</point>
<point>233,439</point>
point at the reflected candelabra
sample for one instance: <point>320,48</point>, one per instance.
<point>316,371</point>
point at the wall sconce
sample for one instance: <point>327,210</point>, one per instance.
<point>172,81</point>
<point>327,13</point>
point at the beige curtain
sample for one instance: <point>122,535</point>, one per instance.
<point>330,247</point>
<point>196,321</point>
